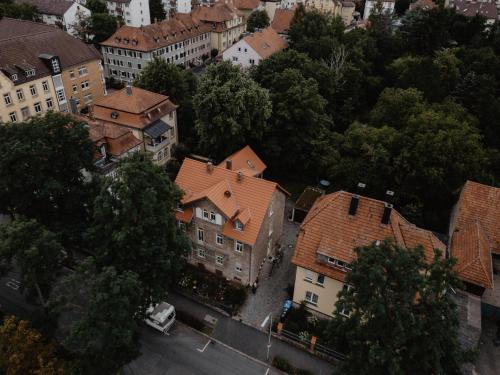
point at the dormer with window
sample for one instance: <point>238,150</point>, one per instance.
<point>14,77</point>
<point>238,225</point>
<point>29,73</point>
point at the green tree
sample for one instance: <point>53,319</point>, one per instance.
<point>134,227</point>
<point>41,171</point>
<point>23,11</point>
<point>96,6</point>
<point>35,251</point>
<point>258,19</point>
<point>402,314</point>
<point>98,311</point>
<point>24,350</point>
<point>97,27</point>
<point>177,83</point>
<point>156,10</point>
<point>231,108</point>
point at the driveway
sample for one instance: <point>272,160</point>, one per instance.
<point>186,352</point>
<point>488,361</point>
<point>272,290</point>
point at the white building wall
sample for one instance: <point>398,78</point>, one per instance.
<point>387,8</point>
<point>134,13</point>
<point>73,15</point>
<point>183,6</point>
<point>242,54</point>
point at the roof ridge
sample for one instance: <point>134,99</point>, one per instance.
<point>333,196</point>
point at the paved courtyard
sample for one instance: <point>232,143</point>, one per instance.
<point>272,290</point>
<point>488,361</point>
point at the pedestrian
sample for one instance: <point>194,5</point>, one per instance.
<point>254,287</point>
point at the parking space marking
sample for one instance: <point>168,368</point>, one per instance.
<point>202,350</point>
<point>13,284</point>
<point>267,371</point>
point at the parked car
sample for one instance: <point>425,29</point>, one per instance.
<point>161,317</point>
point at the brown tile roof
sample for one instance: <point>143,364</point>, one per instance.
<point>246,4</point>
<point>157,35</point>
<point>424,4</point>
<point>140,101</point>
<point>22,42</point>
<point>471,8</point>
<point>475,232</point>
<point>282,19</point>
<point>231,193</point>
<point>329,230</point>
<point>219,12</point>
<point>55,7</point>
<point>246,161</point>
<point>266,42</point>
<point>185,215</point>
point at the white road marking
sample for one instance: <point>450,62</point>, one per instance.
<point>13,284</point>
<point>267,371</point>
<point>202,350</point>
<point>264,322</point>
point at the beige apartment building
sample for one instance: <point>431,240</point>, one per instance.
<point>151,117</point>
<point>234,220</point>
<point>337,224</point>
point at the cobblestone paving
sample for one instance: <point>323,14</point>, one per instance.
<point>271,292</point>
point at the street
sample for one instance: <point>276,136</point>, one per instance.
<point>186,352</point>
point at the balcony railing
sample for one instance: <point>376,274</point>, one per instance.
<point>155,147</point>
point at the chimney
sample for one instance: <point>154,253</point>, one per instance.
<point>353,207</point>
<point>210,167</point>
<point>229,164</point>
<point>129,88</point>
<point>239,177</point>
<point>386,216</point>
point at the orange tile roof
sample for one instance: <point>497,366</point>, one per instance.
<point>185,215</point>
<point>282,19</point>
<point>219,12</point>
<point>232,193</point>
<point>246,161</point>
<point>266,42</point>
<point>328,229</point>
<point>478,207</point>
<point>246,4</point>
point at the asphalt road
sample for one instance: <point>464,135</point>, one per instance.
<point>186,352</point>
<point>12,301</point>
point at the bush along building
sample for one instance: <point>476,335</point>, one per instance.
<point>233,217</point>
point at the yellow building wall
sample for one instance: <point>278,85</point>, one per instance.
<point>29,100</point>
<point>327,293</point>
<point>73,80</point>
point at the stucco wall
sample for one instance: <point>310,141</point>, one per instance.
<point>95,78</point>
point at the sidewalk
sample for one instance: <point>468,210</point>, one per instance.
<point>250,340</point>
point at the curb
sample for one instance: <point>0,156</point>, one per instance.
<point>233,349</point>
<point>217,309</point>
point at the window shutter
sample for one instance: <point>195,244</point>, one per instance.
<point>199,212</point>
<point>218,219</point>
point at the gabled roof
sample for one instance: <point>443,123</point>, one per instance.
<point>246,4</point>
<point>117,139</point>
<point>55,7</point>
<point>266,42</point>
<point>246,161</point>
<point>219,12</point>
<point>328,229</point>
<point>234,194</point>
<point>475,232</point>
<point>282,19</point>
<point>139,101</point>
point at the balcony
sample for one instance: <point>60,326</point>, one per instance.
<point>154,146</point>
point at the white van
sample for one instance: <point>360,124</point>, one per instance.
<point>161,317</point>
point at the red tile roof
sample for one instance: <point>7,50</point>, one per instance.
<point>329,230</point>
<point>246,4</point>
<point>219,12</point>
<point>117,139</point>
<point>246,161</point>
<point>266,42</point>
<point>282,19</point>
<point>424,4</point>
<point>475,232</point>
<point>236,195</point>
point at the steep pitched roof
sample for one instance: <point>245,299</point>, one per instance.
<point>282,19</point>
<point>117,139</point>
<point>266,42</point>
<point>246,4</point>
<point>236,195</point>
<point>246,161</point>
<point>329,230</point>
<point>55,7</point>
<point>141,100</point>
<point>475,232</point>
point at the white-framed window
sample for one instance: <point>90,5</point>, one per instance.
<point>202,253</point>
<point>251,61</point>
<point>25,113</point>
<point>212,216</point>
<point>72,74</point>
<point>7,99</point>
<point>82,70</point>
<point>60,95</point>
<point>20,94</point>
<point>238,267</point>
<point>30,73</point>
<point>87,98</point>
<point>45,86</point>
<point>50,103</point>
<point>238,246</point>
<point>75,87</point>
<point>238,225</point>
<point>219,239</point>
<point>308,276</point>
<point>235,58</point>
<point>13,117</point>
<point>343,310</point>
<point>38,107</point>
<point>311,298</point>
<point>219,260</point>
<point>205,214</point>
<point>85,85</point>
<point>320,280</point>
<point>201,235</point>
<point>33,90</point>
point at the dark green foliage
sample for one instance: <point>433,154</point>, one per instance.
<point>22,11</point>
<point>96,6</point>
<point>258,19</point>
<point>156,11</point>
<point>401,305</point>
<point>189,319</point>
<point>282,364</point>
<point>97,27</point>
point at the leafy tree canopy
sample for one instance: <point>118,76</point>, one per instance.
<point>23,11</point>
<point>258,19</point>
<point>96,6</point>
<point>156,10</point>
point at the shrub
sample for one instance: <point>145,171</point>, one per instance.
<point>282,364</point>
<point>235,295</point>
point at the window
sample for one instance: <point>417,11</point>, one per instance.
<point>13,116</point>
<point>25,113</point>
<point>87,98</point>
<point>246,50</point>
<point>45,86</point>
<point>238,246</point>
<point>308,276</point>
<point>201,253</point>
<point>212,216</point>
<point>83,70</point>
<point>20,94</point>
<point>14,77</point>
<point>49,103</point>
<point>75,87</point>
<point>60,95</point>
<point>311,298</point>
<point>219,260</point>
<point>238,268</point>
<point>33,90</point>
<point>321,279</point>
<point>7,99</point>
<point>139,66</point>
<point>201,235</point>
<point>219,239</point>
<point>72,74</point>
<point>238,225</point>
<point>30,72</point>
<point>251,61</point>
<point>38,107</point>
<point>235,58</point>
<point>205,214</point>
<point>85,85</point>
<point>343,310</point>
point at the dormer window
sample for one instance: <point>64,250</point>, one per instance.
<point>238,225</point>
<point>212,216</point>
<point>56,68</point>
<point>13,77</point>
<point>205,214</point>
<point>30,72</point>
<point>339,264</point>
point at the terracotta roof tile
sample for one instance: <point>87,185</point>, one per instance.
<point>328,229</point>
<point>266,42</point>
<point>219,12</point>
<point>185,215</point>
<point>424,4</point>
<point>246,4</point>
<point>197,179</point>
<point>246,161</point>
<point>282,19</point>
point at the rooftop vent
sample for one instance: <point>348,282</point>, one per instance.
<point>239,177</point>
<point>210,166</point>
<point>229,164</point>
<point>114,115</point>
<point>386,216</point>
<point>353,207</point>
<point>227,194</point>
